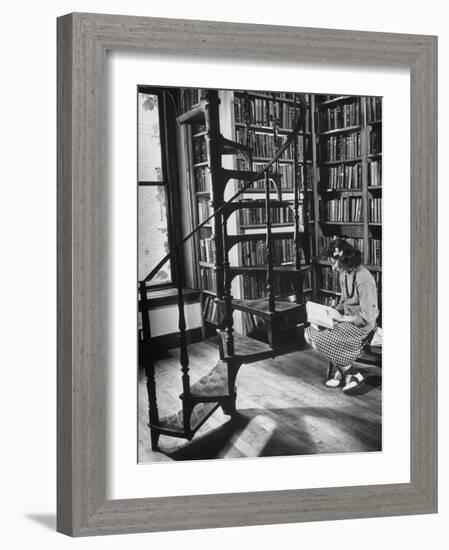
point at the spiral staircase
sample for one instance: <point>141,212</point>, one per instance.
<point>198,401</point>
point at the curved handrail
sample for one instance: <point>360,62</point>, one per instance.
<point>257,176</point>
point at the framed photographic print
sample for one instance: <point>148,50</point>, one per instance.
<point>247,274</point>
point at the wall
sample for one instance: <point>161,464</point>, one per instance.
<point>28,273</point>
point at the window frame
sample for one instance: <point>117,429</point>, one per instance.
<point>170,179</point>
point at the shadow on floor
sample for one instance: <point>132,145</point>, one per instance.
<point>255,432</point>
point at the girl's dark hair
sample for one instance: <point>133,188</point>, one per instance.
<point>349,257</point>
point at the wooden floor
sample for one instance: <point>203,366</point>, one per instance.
<point>284,409</point>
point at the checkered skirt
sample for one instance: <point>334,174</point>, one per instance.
<point>341,345</point>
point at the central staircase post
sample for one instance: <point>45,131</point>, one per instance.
<point>228,314</point>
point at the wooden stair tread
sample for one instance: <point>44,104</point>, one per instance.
<point>258,203</point>
<point>246,237</point>
<point>245,175</point>
<point>261,307</point>
<point>195,115</point>
<point>230,147</point>
<point>173,424</point>
<point>212,384</point>
<point>262,269</point>
<point>250,349</point>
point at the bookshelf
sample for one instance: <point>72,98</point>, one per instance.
<point>347,184</point>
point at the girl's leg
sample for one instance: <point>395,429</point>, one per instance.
<point>334,377</point>
<point>353,378</point>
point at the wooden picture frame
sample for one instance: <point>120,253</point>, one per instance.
<point>83,40</point>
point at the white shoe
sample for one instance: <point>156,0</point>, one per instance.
<point>335,381</point>
<point>353,381</point>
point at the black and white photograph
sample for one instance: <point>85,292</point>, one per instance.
<point>259,273</point>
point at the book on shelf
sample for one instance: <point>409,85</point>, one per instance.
<point>264,144</point>
<point>374,173</point>
<point>202,179</point>
<point>345,209</point>
<point>375,210</point>
<point>375,252</point>
<point>341,177</point>
<point>190,97</point>
<point>210,310</point>
<point>261,111</point>
<point>343,115</point>
<point>319,314</point>
<point>256,216</point>
<point>254,253</point>
<point>204,210</point>
<point>199,151</point>
<point>375,140</point>
<point>329,279</point>
<point>208,279</point>
<point>286,170</point>
<point>377,275</point>
<point>207,250</point>
<point>373,109</point>
<point>341,147</point>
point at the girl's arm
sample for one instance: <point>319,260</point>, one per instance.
<point>368,306</point>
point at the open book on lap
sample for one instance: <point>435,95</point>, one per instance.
<point>319,315</point>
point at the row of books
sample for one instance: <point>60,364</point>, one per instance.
<point>202,179</point>
<point>256,216</point>
<point>377,276</point>
<point>375,141</point>
<point>204,210</point>
<point>375,210</point>
<point>329,279</point>
<point>373,109</point>
<point>341,116</point>
<point>264,112</point>
<point>263,144</point>
<point>255,252</point>
<point>191,96</point>
<point>341,147</point>
<point>208,279</point>
<point>375,252</point>
<point>324,243</point>
<point>375,173</point>
<point>287,175</point>
<point>256,287</point>
<point>210,310</point>
<point>199,151</point>
<point>345,209</point>
<point>342,176</point>
<point>207,250</point>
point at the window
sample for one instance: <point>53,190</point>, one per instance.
<point>156,185</point>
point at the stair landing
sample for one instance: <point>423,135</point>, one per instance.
<point>261,307</point>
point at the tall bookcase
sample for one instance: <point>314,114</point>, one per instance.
<point>347,184</point>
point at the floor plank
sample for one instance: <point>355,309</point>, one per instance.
<point>284,409</point>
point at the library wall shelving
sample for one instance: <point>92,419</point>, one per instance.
<point>337,162</point>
